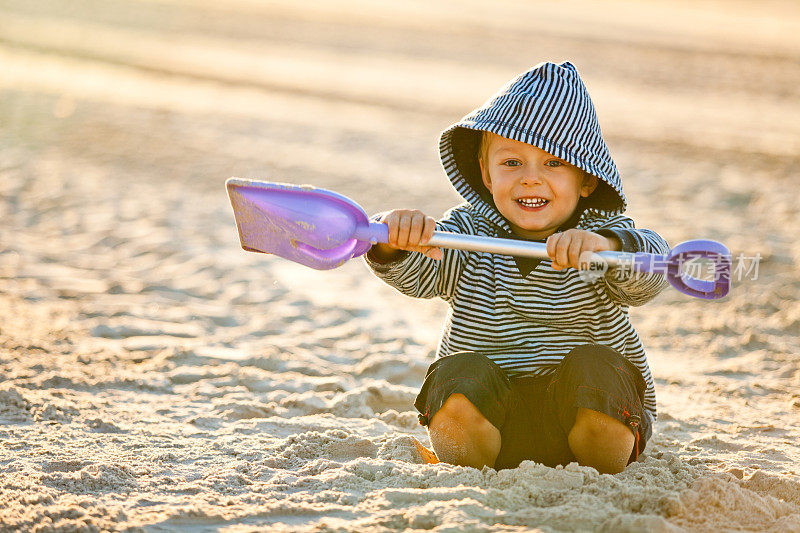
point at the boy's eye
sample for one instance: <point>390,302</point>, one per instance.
<point>554,163</point>
<point>511,163</point>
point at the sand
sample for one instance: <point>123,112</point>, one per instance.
<point>155,377</point>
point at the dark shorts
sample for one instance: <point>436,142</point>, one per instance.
<point>535,414</point>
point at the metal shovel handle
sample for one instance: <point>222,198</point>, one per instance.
<point>673,265</point>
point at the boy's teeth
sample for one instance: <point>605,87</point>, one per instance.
<point>530,202</point>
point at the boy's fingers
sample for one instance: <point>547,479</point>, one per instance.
<point>589,258</point>
<point>428,229</point>
<point>415,230</point>
<point>562,250</point>
<point>434,253</point>
<point>392,222</point>
<point>403,229</point>
<point>584,260</point>
<point>574,251</point>
<point>409,230</point>
<point>551,243</point>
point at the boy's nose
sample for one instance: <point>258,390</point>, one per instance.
<point>531,178</point>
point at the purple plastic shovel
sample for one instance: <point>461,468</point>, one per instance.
<point>322,229</point>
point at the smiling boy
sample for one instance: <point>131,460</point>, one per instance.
<point>536,361</point>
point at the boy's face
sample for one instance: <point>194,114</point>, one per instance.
<point>535,191</point>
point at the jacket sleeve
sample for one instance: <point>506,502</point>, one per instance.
<point>419,276</point>
<point>624,285</point>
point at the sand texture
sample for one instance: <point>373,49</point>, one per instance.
<point>155,377</point>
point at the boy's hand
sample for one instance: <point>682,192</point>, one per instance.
<point>574,247</point>
<point>409,229</point>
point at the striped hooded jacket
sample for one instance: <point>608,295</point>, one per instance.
<point>521,313</point>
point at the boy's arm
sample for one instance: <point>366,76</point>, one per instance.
<point>418,275</point>
<point>624,285</point>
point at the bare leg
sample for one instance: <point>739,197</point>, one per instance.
<point>462,436</point>
<point>600,441</point>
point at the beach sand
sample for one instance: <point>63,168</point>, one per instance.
<point>155,377</point>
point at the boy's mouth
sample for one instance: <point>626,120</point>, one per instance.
<point>532,202</point>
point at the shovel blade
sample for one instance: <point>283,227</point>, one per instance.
<point>309,226</point>
<point>707,289</point>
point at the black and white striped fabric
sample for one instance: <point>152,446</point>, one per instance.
<point>526,321</point>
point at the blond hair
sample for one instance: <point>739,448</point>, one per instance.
<point>483,146</point>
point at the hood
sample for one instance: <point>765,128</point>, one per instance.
<point>547,106</point>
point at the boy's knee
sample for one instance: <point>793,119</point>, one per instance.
<point>597,426</point>
<point>458,408</point>
<point>461,435</point>
<point>601,441</point>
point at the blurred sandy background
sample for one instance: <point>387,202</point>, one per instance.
<point>155,377</point>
